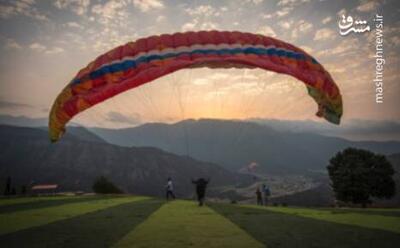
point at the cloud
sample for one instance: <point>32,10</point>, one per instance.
<point>21,7</point>
<point>266,30</point>
<point>112,12</point>
<point>12,45</point>
<point>395,40</point>
<point>288,6</point>
<point>256,2</point>
<point>368,6</point>
<point>341,12</point>
<point>79,7</point>
<point>7,11</point>
<point>324,34</point>
<point>391,36</point>
<point>283,12</point>
<point>146,5</point>
<point>208,25</point>
<point>7,104</point>
<point>73,25</point>
<point>203,13</point>
<point>307,49</point>
<point>302,27</point>
<point>345,47</point>
<point>189,26</point>
<point>116,25</point>
<point>195,24</point>
<point>285,24</point>
<point>160,18</point>
<point>267,16</point>
<point>37,47</point>
<point>54,50</point>
<point>292,3</point>
<point>327,20</point>
<point>277,14</point>
<point>109,9</point>
<point>202,10</point>
<point>133,119</point>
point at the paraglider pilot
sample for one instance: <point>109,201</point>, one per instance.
<point>259,196</point>
<point>170,189</point>
<point>201,185</point>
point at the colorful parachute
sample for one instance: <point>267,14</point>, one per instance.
<point>144,60</point>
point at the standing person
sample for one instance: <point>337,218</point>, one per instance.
<point>7,190</point>
<point>267,193</point>
<point>259,196</point>
<point>201,185</point>
<point>170,189</point>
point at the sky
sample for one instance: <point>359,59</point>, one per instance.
<point>45,43</point>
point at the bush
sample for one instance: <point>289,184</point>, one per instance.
<point>103,186</point>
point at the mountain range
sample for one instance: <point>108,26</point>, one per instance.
<point>354,129</point>
<point>350,129</point>
<point>236,144</point>
<point>74,162</point>
<point>139,159</point>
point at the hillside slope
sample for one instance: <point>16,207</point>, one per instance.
<point>235,144</point>
<point>28,156</point>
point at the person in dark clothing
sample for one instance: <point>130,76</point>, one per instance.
<point>7,190</point>
<point>267,193</point>
<point>259,196</point>
<point>201,185</point>
<point>170,189</point>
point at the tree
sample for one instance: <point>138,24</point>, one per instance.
<point>357,175</point>
<point>103,186</point>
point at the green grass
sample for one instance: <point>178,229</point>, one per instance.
<point>285,229</point>
<point>41,202</point>
<point>184,224</point>
<point>375,211</point>
<point>134,221</point>
<point>15,221</point>
<point>19,200</point>
<point>375,221</point>
<point>100,228</point>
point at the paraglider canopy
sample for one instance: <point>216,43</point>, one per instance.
<point>146,59</point>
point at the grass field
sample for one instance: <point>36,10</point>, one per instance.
<point>133,221</point>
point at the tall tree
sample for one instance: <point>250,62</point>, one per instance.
<point>357,175</point>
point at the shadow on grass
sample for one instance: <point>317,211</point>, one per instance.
<point>97,229</point>
<point>48,203</point>
<point>387,212</point>
<point>285,230</point>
